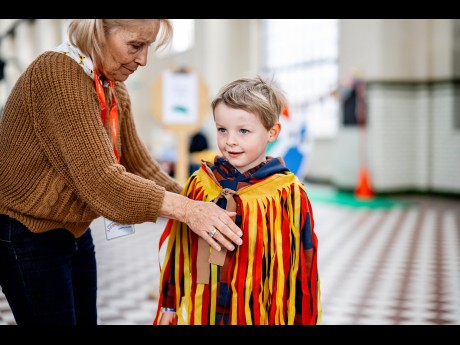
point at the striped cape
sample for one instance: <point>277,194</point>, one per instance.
<point>269,280</point>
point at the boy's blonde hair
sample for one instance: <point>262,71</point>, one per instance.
<point>254,95</point>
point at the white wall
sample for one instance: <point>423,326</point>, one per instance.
<point>410,67</point>
<point>413,97</point>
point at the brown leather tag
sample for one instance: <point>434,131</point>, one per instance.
<point>217,258</point>
<point>202,264</point>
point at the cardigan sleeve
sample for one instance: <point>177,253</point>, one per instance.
<point>63,105</point>
<point>135,155</point>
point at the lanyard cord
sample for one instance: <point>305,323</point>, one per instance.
<point>113,113</point>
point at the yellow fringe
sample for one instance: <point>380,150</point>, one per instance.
<point>270,189</point>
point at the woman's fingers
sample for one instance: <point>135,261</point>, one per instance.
<point>223,240</point>
<point>215,225</point>
<point>228,228</point>
<point>216,237</point>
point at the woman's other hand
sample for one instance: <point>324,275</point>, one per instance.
<point>168,318</point>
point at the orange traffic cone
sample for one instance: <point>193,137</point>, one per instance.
<point>285,112</point>
<point>364,189</point>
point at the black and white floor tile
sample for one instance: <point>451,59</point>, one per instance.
<point>378,266</point>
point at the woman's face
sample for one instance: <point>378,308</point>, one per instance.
<point>127,49</point>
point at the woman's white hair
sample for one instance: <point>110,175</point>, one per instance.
<point>89,35</point>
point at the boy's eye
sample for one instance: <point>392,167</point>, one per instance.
<point>244,131</point>
<point>221,130</point>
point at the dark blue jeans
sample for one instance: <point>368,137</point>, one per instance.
<point>48,278</point>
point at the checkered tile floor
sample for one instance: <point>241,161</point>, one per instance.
<point>397,266</point>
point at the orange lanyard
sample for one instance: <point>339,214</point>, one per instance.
<point>113,113</point>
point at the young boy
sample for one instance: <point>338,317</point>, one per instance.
<point>272,278</point>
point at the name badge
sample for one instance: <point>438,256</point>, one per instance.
<point>115,230</point>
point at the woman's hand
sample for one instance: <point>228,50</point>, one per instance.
<point>202,218</point>
<point>213,223</point>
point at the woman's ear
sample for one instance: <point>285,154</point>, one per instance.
<point>274,132</point>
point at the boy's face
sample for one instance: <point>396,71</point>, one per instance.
<point>241,137</point>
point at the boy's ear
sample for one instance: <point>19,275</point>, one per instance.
<point>274,132</point>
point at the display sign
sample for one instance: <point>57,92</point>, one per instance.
<point>180,98</point>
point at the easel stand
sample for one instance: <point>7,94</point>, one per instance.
<point>183,130</point>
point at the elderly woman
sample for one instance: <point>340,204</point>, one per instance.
<point>70,153</point>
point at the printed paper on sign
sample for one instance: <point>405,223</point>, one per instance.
<point>180,98</point>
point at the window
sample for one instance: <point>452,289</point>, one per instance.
<point>184,34</point>
<point>302,56</point>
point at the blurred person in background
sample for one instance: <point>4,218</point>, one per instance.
<point>199,151</point>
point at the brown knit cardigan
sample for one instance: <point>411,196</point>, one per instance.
<point>57,165</point>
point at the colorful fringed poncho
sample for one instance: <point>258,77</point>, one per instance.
<point>272,278</point>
